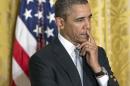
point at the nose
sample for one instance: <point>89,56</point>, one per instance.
<point>87,24</point>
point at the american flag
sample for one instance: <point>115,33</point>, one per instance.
<point>35,28</point>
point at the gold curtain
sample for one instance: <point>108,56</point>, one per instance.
<point>8,9</point>
<point>110,27</point>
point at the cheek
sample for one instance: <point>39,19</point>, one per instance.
<point>77,35</point>
<point>75,30</point>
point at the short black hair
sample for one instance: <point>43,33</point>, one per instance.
<point>62,6</point>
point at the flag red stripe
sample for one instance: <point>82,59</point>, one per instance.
<point>13,84</point>
<point>21,57</point>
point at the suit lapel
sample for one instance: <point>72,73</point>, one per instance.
<point>67,64</point>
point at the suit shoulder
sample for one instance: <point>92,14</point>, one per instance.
<point>102,56</point>
<point>100,48</point>
<point>44,53</point>
<point>101,51</point>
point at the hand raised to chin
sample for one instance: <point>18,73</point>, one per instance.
<point>89,49</point>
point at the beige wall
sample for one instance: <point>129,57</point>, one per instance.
<point>8,10</point>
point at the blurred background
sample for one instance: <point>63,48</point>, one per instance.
<point>110,28</point>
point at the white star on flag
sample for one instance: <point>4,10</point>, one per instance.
<point>27,14</point>
<point>39,14</point>
<point>28,1</point>
<point>51,17</point>
<point>49,32</point>
<point>38,30</point>
<point>51,3</point>
<point>41,1</point>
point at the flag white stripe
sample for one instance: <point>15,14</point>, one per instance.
<point>28,44</point>
<point>19,76</point>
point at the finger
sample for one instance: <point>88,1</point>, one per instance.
<point>91,39</point>
<point>85,44</point>
<point>86,49</point>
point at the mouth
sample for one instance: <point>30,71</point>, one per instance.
<point>84,36</point>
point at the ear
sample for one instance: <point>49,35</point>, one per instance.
<point>60,23</point>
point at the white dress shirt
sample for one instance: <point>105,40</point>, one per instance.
<point>70,49</point>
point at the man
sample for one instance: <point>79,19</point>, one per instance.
<point>59,63</point>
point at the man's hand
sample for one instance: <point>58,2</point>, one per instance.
<point>89,49</point>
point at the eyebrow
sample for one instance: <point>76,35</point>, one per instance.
<point>78,18</point>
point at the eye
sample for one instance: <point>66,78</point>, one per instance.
<point>80,19</point>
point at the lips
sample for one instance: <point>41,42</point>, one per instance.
<point>84,35</point>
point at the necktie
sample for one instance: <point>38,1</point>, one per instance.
<point>78,64</point>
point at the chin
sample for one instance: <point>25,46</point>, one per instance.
<point>83,40</point>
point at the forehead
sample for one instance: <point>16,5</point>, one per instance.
<point>79,10</point>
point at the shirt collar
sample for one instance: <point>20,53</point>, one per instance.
<point>67,44</point>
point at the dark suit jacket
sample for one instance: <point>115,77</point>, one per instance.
<point>52,66</point>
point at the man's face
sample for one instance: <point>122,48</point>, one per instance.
<point>77,23</point>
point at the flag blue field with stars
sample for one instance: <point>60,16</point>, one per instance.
<point>39,17</point>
